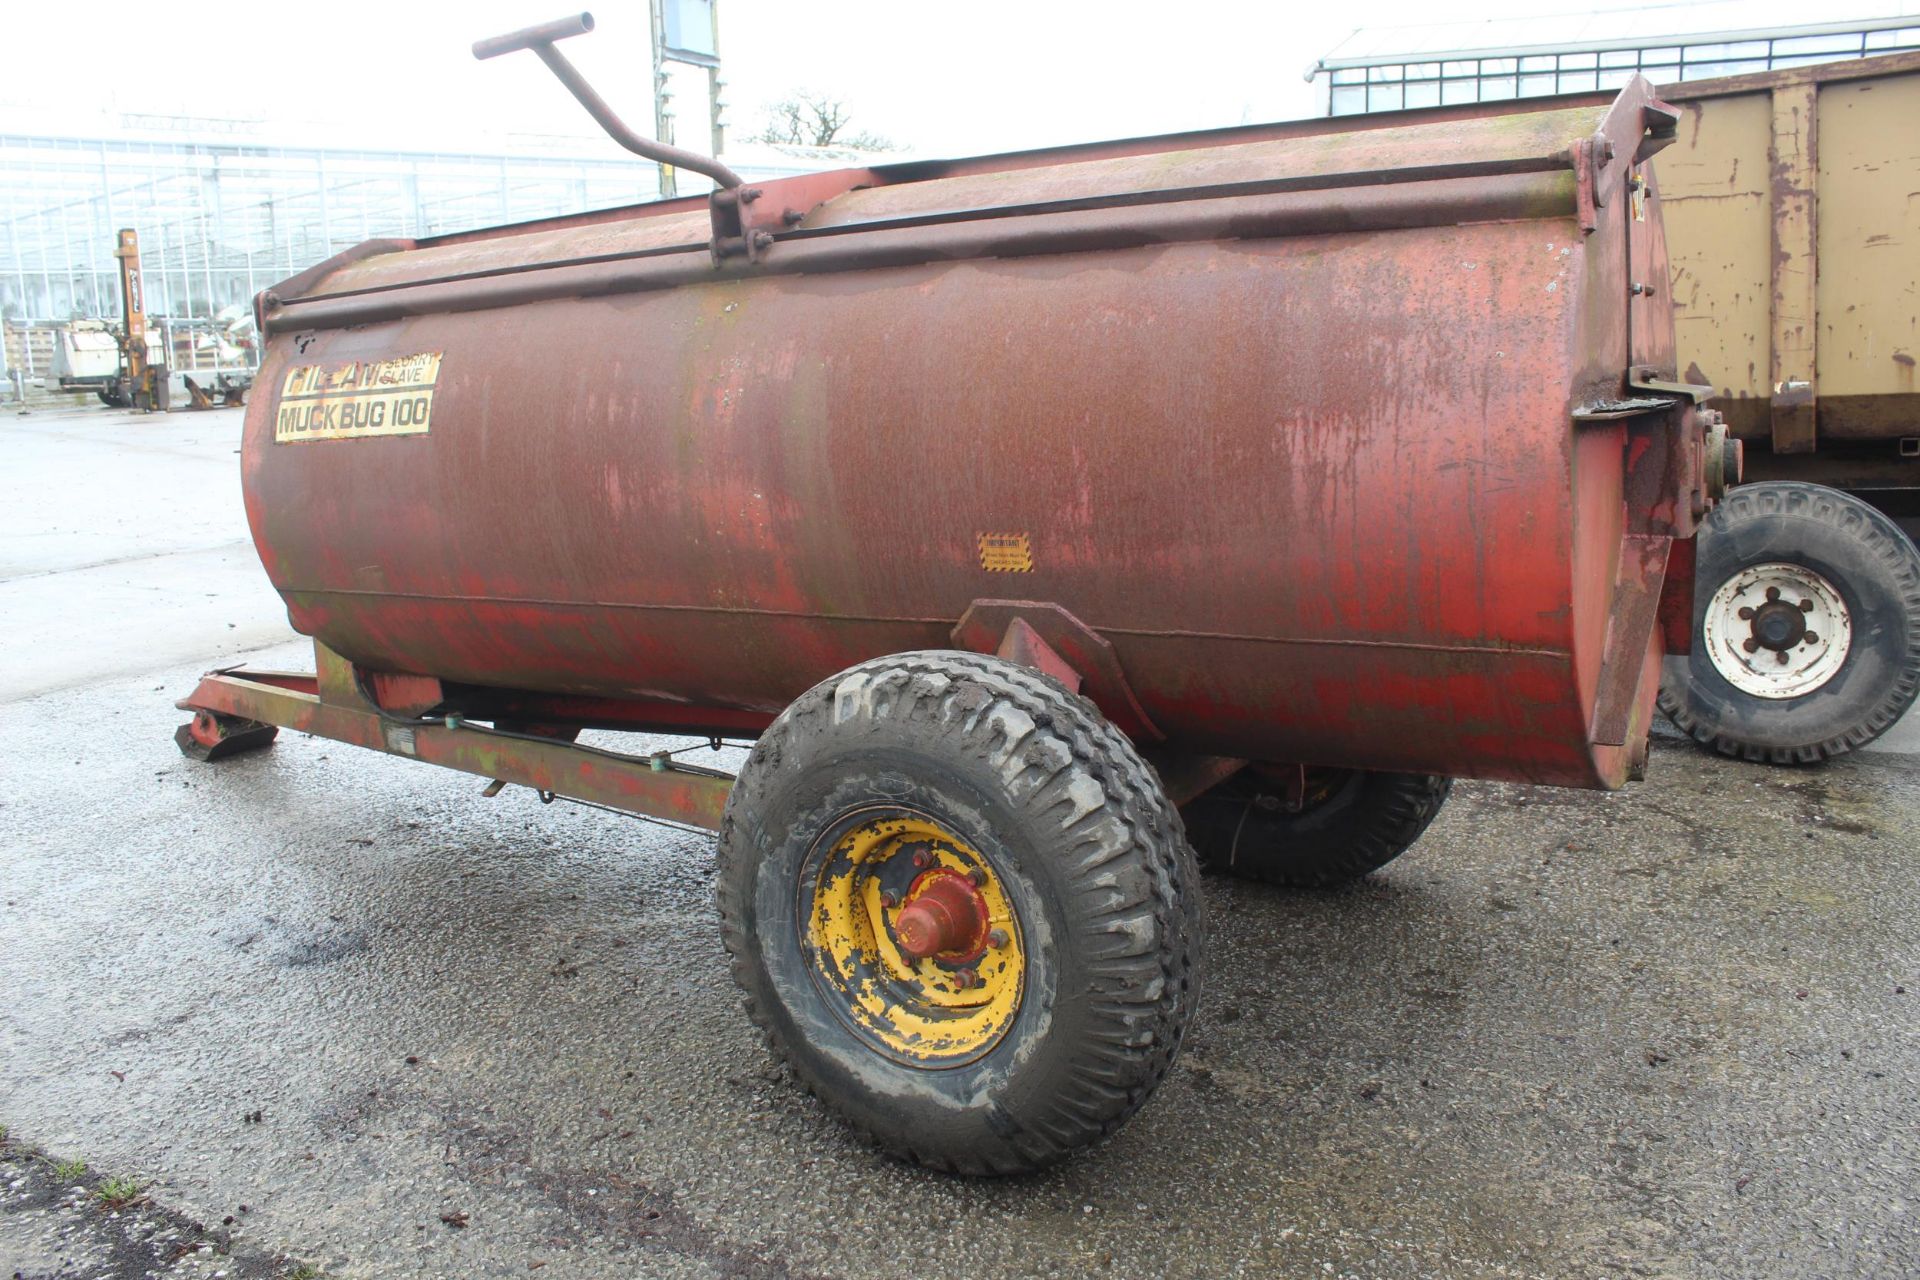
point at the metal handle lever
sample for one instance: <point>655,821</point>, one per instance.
<point>540,39</point>
<point>577,24</point>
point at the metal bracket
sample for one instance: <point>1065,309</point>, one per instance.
<point>1661,121</point>
<point>1646,378</point>
<point>1613,410</point>
<point>1024,645</point>
<point>1591,156</point>
<point>1793,413</point>
<point>1629,672</point>
<point>1046,635</point>
<point>733,234</point>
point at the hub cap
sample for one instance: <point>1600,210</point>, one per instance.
<point>912,938</point>
<point>1777,630</point>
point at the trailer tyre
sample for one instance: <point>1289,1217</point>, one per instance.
<point>1347,823</point>
<point>961,909</point>
<point>1806,627</point>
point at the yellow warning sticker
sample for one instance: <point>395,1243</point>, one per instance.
<point>360,398</point>
<point>1006,553</point>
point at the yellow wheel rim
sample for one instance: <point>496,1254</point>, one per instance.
<point>912,938</point>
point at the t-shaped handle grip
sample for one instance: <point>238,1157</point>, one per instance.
<point>540,39</point>
<point>544,33</point>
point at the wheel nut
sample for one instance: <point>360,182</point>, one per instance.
<point>966,978</point>
<point>997,938</point>
<point>923,859</point>
<point>889,899</point>
<point>978,876</point>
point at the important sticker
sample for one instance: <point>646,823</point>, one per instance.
<point>1006,553</point>
<point>359,399</point>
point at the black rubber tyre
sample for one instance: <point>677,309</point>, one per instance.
<point>1876,571</point>
<point>1078,831</point>
<point>1355,821</point>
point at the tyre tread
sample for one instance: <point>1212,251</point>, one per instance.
<point>1117,1071</point>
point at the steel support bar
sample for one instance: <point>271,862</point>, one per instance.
<point>655,789</point>
<point>1795,333</point>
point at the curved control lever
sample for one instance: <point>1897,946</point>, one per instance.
<point>540,39</point>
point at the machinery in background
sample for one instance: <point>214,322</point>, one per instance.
<point>140,381</point>
<point>225,391</point>
<point>128,366</point>
<point>230,339</point>
<point>86,355</point>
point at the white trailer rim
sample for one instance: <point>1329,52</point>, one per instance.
<point>1777,630</point>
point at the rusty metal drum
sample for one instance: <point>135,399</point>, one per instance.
<point>1358,447</point>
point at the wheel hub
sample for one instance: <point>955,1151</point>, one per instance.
<point>1778,625</point>
<point>913,938</point>
<point>947,916</point>
<point>1777,630</point>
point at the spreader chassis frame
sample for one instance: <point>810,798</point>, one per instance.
<point>332,703</point>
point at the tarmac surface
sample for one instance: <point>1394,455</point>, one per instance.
<point>1673,1031</point>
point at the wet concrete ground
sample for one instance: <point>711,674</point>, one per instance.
<point>1669,1032</point>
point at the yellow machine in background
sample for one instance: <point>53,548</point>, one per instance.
<point>142,382</point>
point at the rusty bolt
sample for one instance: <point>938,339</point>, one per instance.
<point>762,239</point>
<point>889,899</point>
<point>997,938</point>
<point>978,876</point>
<point>966,978</point>
<point>749,195</point>
<point>922,858</point>
<point>1603,150</point>
<point>793,217</point>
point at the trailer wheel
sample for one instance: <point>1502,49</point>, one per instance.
<point>961,909</point>
<point>1338,826</point>
<point>1806,626</point>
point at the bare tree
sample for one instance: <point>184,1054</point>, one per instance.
<point>813,119</point>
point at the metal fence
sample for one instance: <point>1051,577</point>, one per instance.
<point>1361,85</point>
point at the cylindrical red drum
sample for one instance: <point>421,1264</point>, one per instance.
<point>1333,445</point>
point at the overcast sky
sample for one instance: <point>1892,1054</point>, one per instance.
<point>943,78</point>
